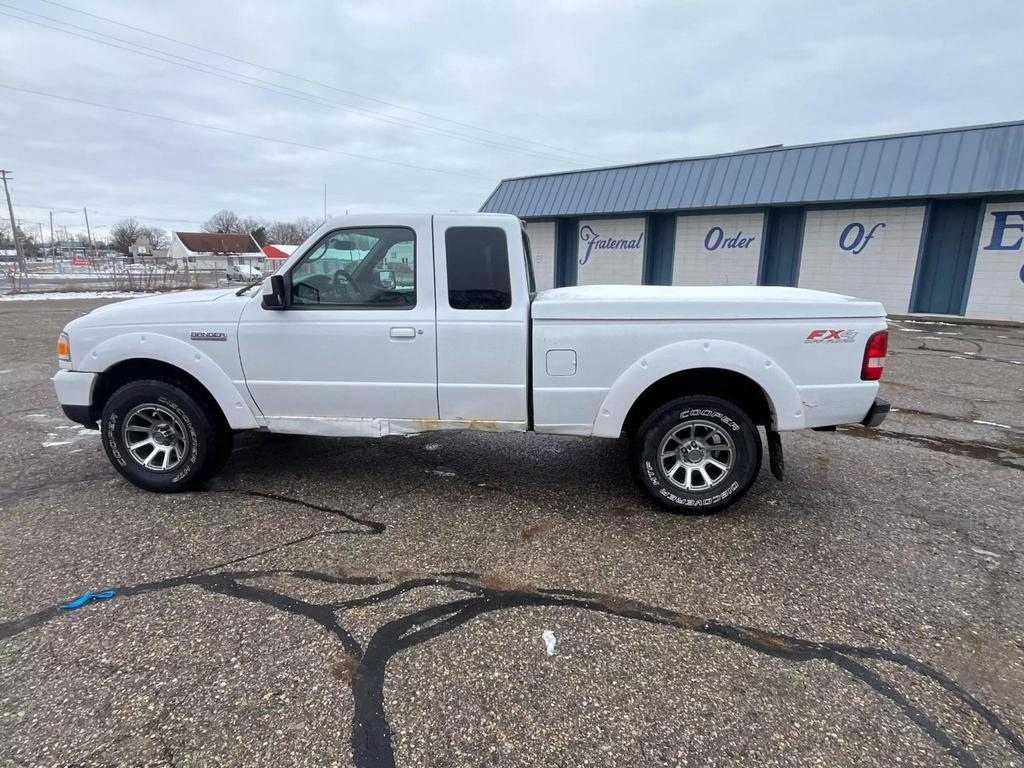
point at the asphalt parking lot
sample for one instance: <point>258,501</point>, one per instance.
<point>343,602</point>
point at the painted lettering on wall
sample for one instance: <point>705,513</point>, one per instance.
<point>1000,235</point>
<point>594,240</point>
<point>855,237</point>
<point>715,239</point>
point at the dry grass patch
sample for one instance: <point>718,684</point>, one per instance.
<point>501,583</point>
<point>346,668</point>
<point>534,531</point>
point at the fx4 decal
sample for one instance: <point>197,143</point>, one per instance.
<point>830,336</point>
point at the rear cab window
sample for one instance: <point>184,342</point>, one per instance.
<point>478,271</point>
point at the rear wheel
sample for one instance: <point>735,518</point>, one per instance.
<point>160,437</point>
<point>696,454</point>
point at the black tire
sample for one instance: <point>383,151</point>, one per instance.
<point>720,429</point>
<point>192,436</point>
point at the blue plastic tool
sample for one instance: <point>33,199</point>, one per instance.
<point>86,597</point>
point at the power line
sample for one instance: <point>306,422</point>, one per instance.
<point>61,209</point>
<point>244,134</point>
<point>316,82</point>
<point>259,83</point>
<point>65,209</point>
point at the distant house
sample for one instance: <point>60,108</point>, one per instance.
<point>213,250</point>
<point>143,252</point>
<point>276,255</point>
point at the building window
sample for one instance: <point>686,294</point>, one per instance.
<point>477,263</point>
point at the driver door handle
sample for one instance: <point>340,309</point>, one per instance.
<point>403,333</point>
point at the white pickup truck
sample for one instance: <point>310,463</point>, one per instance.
<point>396,324</point>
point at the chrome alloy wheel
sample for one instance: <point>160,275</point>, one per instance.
<point>696,455</point>
<point>155,437</point>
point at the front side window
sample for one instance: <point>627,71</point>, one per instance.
<point>366,267</point>
<point>477,262</point>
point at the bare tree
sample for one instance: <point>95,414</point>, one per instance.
<point>158,238</point>
<point>291,232</point>
<point>124,234</point>
<point>226,221</point>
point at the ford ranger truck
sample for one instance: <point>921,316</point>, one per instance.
<point>399,324</point>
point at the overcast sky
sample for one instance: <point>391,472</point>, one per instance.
<point>475,92</point>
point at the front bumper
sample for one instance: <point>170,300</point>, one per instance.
<point>74,393</point>
<point>876,413</point>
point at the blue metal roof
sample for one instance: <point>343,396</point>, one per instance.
<point>958,161</point>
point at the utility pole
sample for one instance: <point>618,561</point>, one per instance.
<point>87,230</point>
<point>325,202</point>
<point>53,245</point>
<point>14,226</point>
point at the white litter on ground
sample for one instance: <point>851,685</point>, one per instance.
<point>73,295</point>
<point>993,424</point>
<point>984,552</point>
<point>549,641</point>
<point>432,447</point>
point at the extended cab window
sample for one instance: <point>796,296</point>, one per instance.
<point>477,265</point>
<point>370,267</point>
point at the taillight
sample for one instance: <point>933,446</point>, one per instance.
<point>874,356</point>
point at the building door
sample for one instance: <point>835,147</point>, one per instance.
<point>780,262</point>
<point>941,286</point>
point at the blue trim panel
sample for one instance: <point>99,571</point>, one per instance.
<point>783,240</point>
<point>659,254</point>
<point>567,233</point>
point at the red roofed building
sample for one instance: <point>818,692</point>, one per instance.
<point>277,254</point>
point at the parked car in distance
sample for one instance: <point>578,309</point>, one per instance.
<point>245,273</point>
<point>687,374</point>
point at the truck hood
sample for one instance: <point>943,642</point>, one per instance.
<point>167,307</point>
<point>660,302</point>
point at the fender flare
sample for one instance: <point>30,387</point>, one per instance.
<point>166,349</point>
<point>783,396</point>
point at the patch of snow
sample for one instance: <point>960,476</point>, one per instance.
<point>52,443</point>
<point>73,295</point>
<point>432,447</point>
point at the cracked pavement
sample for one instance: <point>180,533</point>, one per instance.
<point>374,603</point>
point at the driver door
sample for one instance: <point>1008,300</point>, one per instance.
<point>358,339</point>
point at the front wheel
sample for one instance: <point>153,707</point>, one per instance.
<point>160,438</point>
<point>697,454</point>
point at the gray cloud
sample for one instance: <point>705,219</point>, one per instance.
<point>597,82</point>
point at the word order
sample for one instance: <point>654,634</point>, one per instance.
<point>594,240</point>
<point>715,239</point>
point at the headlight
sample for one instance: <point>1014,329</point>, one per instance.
<point>63,348</point>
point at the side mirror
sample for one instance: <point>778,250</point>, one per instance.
<point>274,294</point>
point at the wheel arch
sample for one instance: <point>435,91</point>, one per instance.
<point>118,361</point>
<point>733,371</point>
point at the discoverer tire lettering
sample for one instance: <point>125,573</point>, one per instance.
<point>207,441</point>
<point>714,431</point>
